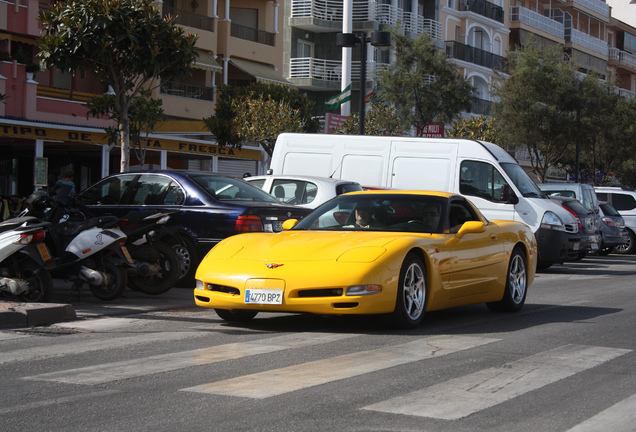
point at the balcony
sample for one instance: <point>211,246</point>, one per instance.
<point>480,107</point>
<point>624,92</point>
<point>474,55</point>
<point>622,57</point>
<point>536,20</point>
<point>597,6</point>
<point>331,10</point>
<point>329,70</point>
<point>417,24</point>
<point>189,91</point>
<point>190,19</point>
<point>252,34</point>
<point>583,39</point>
<point>483,8</point>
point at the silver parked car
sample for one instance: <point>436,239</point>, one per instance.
<point>303,191</point>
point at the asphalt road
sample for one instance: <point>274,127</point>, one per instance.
<point>564,363</point>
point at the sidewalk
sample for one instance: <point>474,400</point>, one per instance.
<point>63,307</point>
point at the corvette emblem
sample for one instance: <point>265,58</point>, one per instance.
<point>272,265</point>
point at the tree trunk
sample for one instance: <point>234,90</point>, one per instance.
<point>124,141</point>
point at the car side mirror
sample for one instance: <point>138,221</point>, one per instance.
<point>289,224</point>
<point>508,196</point>
<point>471,227</point>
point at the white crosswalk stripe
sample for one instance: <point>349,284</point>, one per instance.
<point>279,381</point>
<point>460,397</point>
<point>618,418</point>
<point>116,371</point>
<point>59,350</point>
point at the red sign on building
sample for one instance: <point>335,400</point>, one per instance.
<point>334,121</point>
<point>433,130</point>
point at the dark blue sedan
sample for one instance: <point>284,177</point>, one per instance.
<point>208,208</point>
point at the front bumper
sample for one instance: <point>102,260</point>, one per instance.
<point>557,246</point>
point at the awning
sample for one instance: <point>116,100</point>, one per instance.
<point>206,61</point>
<point>16,38</point>
<point>262,72</point>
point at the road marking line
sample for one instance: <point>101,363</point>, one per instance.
<point>51,351</point>
<point>275,382</point>
<point>617,418</point>
<point>56,401</point>
<point>100,324</point>
<point>466,395</point>
<point>116,371</point>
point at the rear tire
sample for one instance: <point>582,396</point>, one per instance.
<point>628,247</point>
<point>410,302</point>
<point>115,285</point>
<point>166,279</point>
<point>236,315</point>
<point>188,261</point>
<point>516,284</point>
<point>40,282</point>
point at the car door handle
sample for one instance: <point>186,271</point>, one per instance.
<point>493,237</point>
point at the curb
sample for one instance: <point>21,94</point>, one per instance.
<point>19,315</point>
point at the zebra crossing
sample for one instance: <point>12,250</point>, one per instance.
<point>451,400</point>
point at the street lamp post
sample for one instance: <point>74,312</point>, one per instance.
<point>378,39</point>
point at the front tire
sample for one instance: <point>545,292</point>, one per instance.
<point>115,284</point>
<point>410,302</point>
<point>516,284</point>
<point>235,315</point>
<point>188,260</point>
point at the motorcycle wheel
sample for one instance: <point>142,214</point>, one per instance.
<point>166,279</point>
<point>115,285</point>
<point>40,282</point>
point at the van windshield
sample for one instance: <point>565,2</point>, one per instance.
<point>526,186</point>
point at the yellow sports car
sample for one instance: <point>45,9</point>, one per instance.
<point>398,253</point>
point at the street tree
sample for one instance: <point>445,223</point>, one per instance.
<point>423,84</point>
<point>481,128</point>
<point>380,119</point>
<point>127,44</point>
<point>536,105</point>
<point>257,113</point>
<point>144,115</point>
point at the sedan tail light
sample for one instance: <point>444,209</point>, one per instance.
<point>248,223</point>
<point>609,221</point>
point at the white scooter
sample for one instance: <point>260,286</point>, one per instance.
<point>88,251</point>
<point>25,261</point>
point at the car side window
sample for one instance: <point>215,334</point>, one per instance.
<point>151,189</point>
<point>109,192</point>
<point>482,180</point>
<point>289,191</point>
<point>623,201</point>
<point>602,196</point>
<point>460,212</point>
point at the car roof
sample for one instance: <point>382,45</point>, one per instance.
<point>404,192</point>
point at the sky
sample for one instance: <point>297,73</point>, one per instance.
<point>624,10</point>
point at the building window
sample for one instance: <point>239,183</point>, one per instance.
<point>304,49</point>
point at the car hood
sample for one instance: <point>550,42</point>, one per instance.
<point>306,246</point>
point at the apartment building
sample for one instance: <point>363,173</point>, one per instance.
<point>43,124</point>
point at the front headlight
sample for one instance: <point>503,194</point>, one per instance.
<point>552,221</point>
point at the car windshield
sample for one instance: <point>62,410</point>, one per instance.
<point>231,189</point>
<point>608,210</point>
<point>526,186</point>
<point>378,212</point>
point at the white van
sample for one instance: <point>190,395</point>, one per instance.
<point>484,172</point>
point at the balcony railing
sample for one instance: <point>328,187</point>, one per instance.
<point>483,8</point>
<point>190,19</point>
<point>190,91</point>
<point>622,56</point>
<point>595,5</point>
<point>331,10</point>
<point>415,23</point>
<point>585,40</point>
<point>252,34</point>
<point>329,70</point>
<point>474,55</point>
<point>624,92</point>
<point>536,20</point>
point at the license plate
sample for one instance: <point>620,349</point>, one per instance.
<point>594,246</point>
<point>576,246</point>
<point>124,249</point>
<point>264,296</point>
<point>44,252</point>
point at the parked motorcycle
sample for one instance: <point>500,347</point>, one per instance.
<point>88,250</point>
<point>24,259</point>
<point>157,267</point>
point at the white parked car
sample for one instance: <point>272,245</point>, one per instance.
<point>303,191</point>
